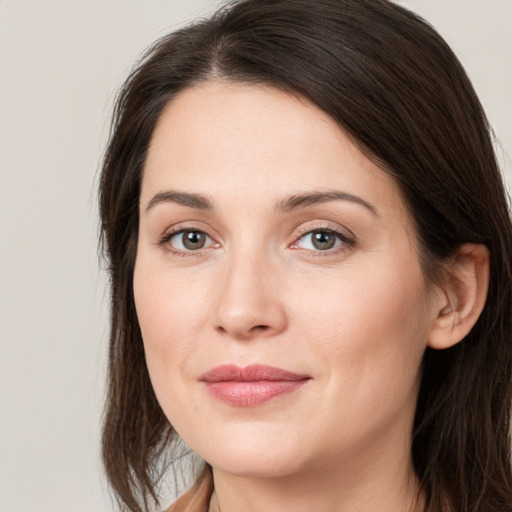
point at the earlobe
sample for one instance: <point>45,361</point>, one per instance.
<point>463,296</point>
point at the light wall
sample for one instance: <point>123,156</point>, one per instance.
<point>60,65</point>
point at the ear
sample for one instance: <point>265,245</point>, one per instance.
<point>462,297</point>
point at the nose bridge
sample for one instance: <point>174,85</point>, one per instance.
<point>248,303</point>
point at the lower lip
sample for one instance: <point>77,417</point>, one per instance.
<point>246,394</point>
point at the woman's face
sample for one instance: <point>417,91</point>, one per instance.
<point>267,239</point>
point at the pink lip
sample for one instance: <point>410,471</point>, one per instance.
<point>251,385</point>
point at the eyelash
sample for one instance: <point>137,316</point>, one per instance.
<point>166,238</point>
<point>347,242</point>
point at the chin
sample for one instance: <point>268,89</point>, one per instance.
<point>252,457</point>
<point>253,465</point>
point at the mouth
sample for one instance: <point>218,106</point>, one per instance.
<point>250,385</point>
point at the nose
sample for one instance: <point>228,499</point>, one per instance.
<point>250,301</point>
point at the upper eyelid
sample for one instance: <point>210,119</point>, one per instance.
<point>171,232</point>
<point>163,242</point>
<point>341,236</point>
<point>343,231</point>
<point>180,227</point>
<point>345,236</point>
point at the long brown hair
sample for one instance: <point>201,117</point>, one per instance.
<point>397,89</point>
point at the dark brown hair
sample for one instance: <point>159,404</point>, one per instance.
<point>397,89</point>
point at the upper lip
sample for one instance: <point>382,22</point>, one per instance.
<point>251,373</point>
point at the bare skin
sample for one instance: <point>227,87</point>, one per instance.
<point>266,237</point>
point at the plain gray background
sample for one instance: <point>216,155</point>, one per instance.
<point>60,65</point>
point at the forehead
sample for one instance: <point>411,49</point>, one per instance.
<point>230,140</point>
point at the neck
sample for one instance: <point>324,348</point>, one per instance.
<point>377,480</point>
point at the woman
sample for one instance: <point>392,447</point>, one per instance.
<point>309,247</point>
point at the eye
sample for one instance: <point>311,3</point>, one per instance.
<point>322,240</point>
<point>188,240</point>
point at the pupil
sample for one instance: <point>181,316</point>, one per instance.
<point>193,239</point>
<point>323,240</point>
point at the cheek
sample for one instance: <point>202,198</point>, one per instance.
<point>171,312</point>
<point>370,332</point>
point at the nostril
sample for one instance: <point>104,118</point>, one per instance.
<point>260,328</point>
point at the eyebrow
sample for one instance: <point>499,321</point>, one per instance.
<point>297,201</point>
<point>312,198</point>
<point>197,201</point>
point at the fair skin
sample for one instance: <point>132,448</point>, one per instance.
<point>236,266</point>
